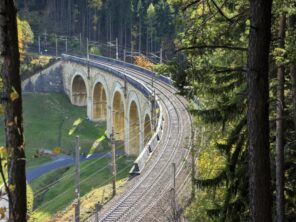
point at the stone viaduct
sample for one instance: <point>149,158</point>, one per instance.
<point>125,104</point>
<point>126,110</point>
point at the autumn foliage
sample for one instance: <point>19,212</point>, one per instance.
<point>25,36</point>
<point>142,61</point>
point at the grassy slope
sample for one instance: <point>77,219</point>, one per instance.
<point>47,120</point>
<point>94,174</point>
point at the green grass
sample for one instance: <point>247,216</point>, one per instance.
<point>48,117</point>
<point>94,173</point>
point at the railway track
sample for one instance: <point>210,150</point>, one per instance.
<point>156,180</point>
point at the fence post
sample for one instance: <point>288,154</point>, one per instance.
<point>160,56</point>
<point>87,52</point>
<point>124,55</point>
<point>66,44</point>
<point>56,42</point>
<point>39,45</point>
<point>97,212</point>
<point>80,42</point>
<point>174,192</point>
<point>77,190</point>
<point>113,164</point>
<point>116,48</point>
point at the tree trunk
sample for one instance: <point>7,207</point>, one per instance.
<point>291,29</point>
<point>293,78</point>
<point>140,34</point>
<point>258,124</point>
<point>26,5</point>
<point>280,128</point>
<point>13,111</point>
<point>147,43</point>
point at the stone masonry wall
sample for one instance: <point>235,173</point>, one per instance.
<point>48,80</point>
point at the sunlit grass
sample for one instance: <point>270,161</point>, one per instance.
<point>87,203</point>
<point>48,117</point>
<point>61,184</point>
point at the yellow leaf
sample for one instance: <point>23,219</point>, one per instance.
<point>57,150</point>
<point>3,151</point>
<point>143,62</point>
<point>71,131</point>
<point>4,163</point>
<point>2,212</point>
<point>11,187</point>
<point>14,95</point>
<point>95,145</point>
<point>75,125</point>
<point>1,109</point>
<point>77,122</point>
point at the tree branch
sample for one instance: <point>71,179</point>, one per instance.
<point>189,5</point>
<point>7,189</point>
<point>220,11</point>
<point>225,70</point>
<point>232,19</point>
<point>211,47</point>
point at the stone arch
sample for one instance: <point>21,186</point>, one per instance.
<point>134,129</point>
<point>147,128</point>
<point>79,90</point>
<point>133,97</point>
<point>146,110</point>
<point>118,112</point>
<point>100,100</point>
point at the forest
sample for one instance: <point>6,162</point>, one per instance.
<point>233,60</point>
<point>142,26</point>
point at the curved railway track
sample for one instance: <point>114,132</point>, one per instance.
<point>156,180</point>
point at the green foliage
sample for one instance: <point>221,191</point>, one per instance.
<point>213,41</point>
<point>286,57</point>
<point>227,179</point>
<point>213,50</point>
<point>178,69</point>
<point>95,4</point>
<point>26,30</point>
<point>95,50</point>
<point>25,36</point>
<point>1,109</point>
<point>151,21</point>
<point>30,199</point>
<point>279,55</point>
<point>148,23</point>
<point>31,64</point>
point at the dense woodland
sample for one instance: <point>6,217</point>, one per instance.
<point>236,61</point>
<point>144,26</point>
<point>218,41</point>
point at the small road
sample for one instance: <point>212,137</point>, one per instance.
<point>62,161</point>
